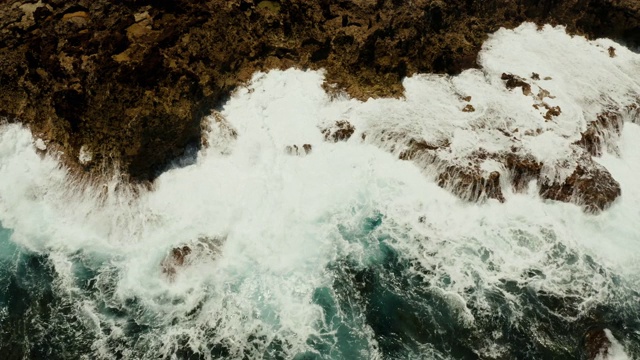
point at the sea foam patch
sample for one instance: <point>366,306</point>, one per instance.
<point>348,251</point>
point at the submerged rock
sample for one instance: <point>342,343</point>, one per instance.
<point>203,249</point>
<point>132,80</point>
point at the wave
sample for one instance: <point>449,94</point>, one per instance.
<point>266,248</point>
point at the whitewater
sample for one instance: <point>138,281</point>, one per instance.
<point>344,252</point>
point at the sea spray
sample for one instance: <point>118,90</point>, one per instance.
<point>345,252</point>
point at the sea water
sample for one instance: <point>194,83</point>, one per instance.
<point>346,252</point>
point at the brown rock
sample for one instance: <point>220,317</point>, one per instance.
<point>513,81</point>
<point>137,77</point>
<point>596,343</point>
<point>307,148</point>
<point>298,150</point>
<point>552,111</point>
<point>419,147</point>
<point>590,186</point>
<point>469,108</point>
<point>175,259</point>
<point>523,170</point>
<point>340,131</point>
<point>600,132</point>
<point>469,184</point>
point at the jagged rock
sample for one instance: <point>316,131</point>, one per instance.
<point>133,79</point>
<point>175,259</point>
<point>470,184</point>
<point>523,169</point>
<point>419,147</point>
<point>469,108</point>
<point>513,81</point>
<point>600,133</point>
<point>552,111</point>
<point>590,186</point>
<point>217,127</point>
<point>204,248</point>
<point>340,131</point>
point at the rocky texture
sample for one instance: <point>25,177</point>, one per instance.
<point>175,260</point>
<point>602,133</point>
<point>340,131</point>
<point>596,344</point>
<point>130,81</point>
<point>202,249</point>
<point>588,184</point>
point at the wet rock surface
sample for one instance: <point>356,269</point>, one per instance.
<point>602,133</point>
<point>202,249</point>
<point>596,344</point>
<point>590,185</point>
<point>131,81</point>
<point>340,131</point>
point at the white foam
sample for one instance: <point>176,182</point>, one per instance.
<point>281,215</point>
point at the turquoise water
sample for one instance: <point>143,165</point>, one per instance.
<point>387,304</point>
<point>345,252</point>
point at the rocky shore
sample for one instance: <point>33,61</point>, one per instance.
<point>126,84</point>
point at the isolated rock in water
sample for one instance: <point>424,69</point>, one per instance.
<point>132,80</point>
<point>514,81</point>
<point>469,108</point>
<point>590,186</point>
<point>298,150</point>
<point>340,131</point>
<point>203,249</point>
<point>175,259</point>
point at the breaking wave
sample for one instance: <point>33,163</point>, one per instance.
<point>337,250</point>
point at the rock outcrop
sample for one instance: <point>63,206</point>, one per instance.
<point>340,131</point>
<point>589,184</point>
<point>202,249</point>
<point>129,82</point>
<point>596,344</point>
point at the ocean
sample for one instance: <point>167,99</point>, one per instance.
<point>344,251</point>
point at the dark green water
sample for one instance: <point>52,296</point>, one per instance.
<point>389,305</point>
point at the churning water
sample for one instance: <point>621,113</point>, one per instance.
<point>345,252</point>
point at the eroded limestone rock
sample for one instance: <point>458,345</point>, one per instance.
<point>133,79</point>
